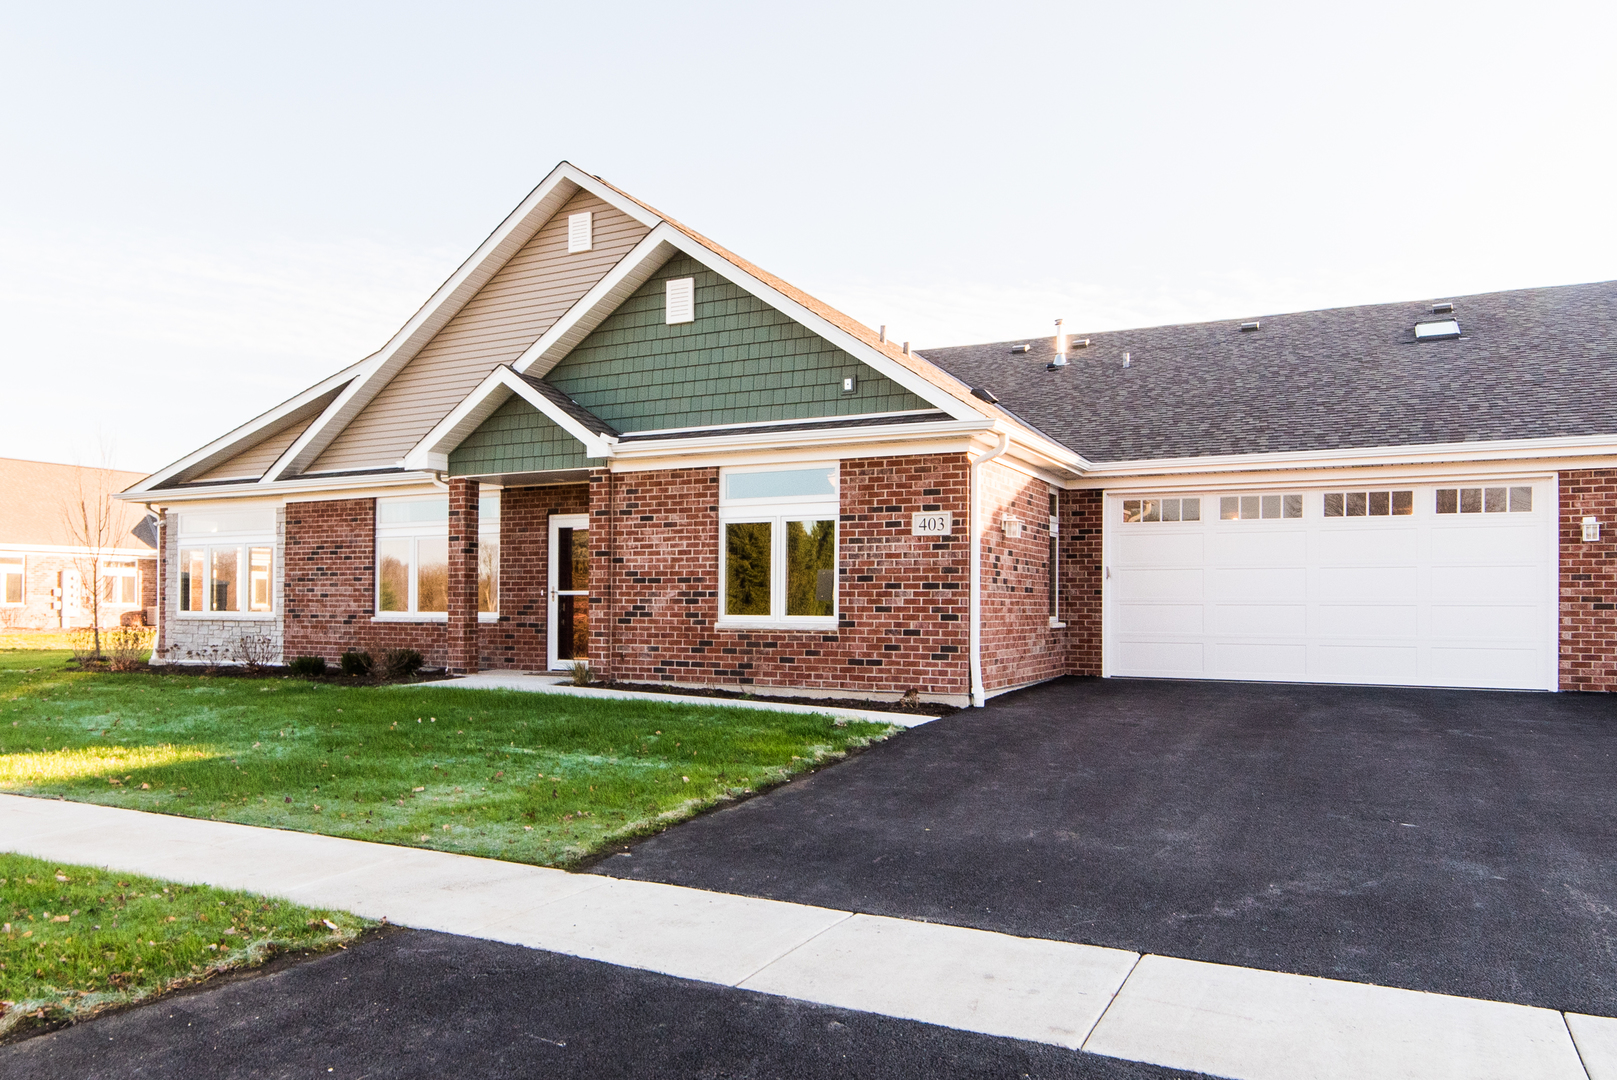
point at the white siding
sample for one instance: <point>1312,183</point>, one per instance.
<point>253,462</point>
<point>532,291</point>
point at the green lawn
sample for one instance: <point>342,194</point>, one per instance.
<point>538,778</point>
<point>75,940</point>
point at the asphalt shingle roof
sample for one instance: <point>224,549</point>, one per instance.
<point>1529,363</point>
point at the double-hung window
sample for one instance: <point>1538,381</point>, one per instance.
<point>227,565</point>
<point>11,579</point>
<point>412,557</point>
<point>778,546</point>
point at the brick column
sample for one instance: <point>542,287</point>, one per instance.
<point>462,638</point>
<point>601,548</point>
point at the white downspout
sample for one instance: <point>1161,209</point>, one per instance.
<point>975,532</point>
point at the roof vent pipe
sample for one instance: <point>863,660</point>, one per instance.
<point>1445,308</point>
<point>906,348</point>
<point>1126,359</point>
<point>884,333</point>
<point>1061,348</point>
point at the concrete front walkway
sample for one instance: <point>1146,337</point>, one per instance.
<point>1229,1021</point>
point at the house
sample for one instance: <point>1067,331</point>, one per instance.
<point>61,531</point>
<point>607,439</point>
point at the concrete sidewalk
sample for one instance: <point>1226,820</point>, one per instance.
<point>1229,1021</point>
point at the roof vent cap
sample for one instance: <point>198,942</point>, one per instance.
<point>1445,308</point>
<point>984,395</point>
<point>1078,343</point>
<point>1127,359</point>
<point>1253,325</point>
<point>1020,348</point>
<point>1441,330</point>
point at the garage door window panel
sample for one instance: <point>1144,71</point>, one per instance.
<point>1259,507</point>
<point>1148,511</point>
<point>1485,500</point>
<point>1369,504</point>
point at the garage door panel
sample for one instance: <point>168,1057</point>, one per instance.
<point>1460,583</point>
<point>1250,547</point>
<point>1172,546</point>
<point>1259,620</point>
<point>1366,663</point>
<point>1258,660</point>
<point>1486,545</point>
<point>1365,621</point>
<point>1341,544</point>
<point>1392,583</point>
<point>1496,622</point>
<point>1256,584</point>
<point>1155,585</point>
<point>1495,668</point>
<point>1161,619</point>
<point>1161,659</point>
<point>1417,599</point>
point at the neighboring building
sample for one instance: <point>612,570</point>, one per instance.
<point>57,522</point>
<point>605,438</point>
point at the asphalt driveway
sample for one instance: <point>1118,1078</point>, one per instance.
<point>1455,841</point>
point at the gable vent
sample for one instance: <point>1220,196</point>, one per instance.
<point>681,300</point>
<point>1441,330</point>
<point>1445,308</point>
<point>580,235</point>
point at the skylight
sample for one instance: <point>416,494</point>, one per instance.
<point>1437,331</point>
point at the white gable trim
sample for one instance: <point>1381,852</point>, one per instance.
<point>248,435</point>
<point>432,452</point>
<point>542,204</point>
<point>659,245</point>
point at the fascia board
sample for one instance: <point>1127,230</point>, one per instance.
<point>603,298</point>
<point>958,444</point>
<point>1364,457</point>
<point>541,204</point>
<point>59,549</point>
<point>243,437</point>
<point>830,438</point>
<point>1327,477</point>
<point>330,487</point>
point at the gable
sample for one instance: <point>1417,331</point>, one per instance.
<point>251,463</point>
<point>740,361</point>
<point>535,288</point>
<point>517,438</point>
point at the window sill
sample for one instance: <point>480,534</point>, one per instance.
<point>241,616</point>
<point>411,616</point>
<point>816,627</point>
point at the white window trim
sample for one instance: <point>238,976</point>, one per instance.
<point>778,511</point>
<point>415,531</point>
<point>243,543</point>
<point>1055,566</point>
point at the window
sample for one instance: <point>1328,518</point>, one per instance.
<point>11,579</point>
<point>1055,564</point>
<point>119,582</point>
<point>1249,507</point>
<point>778,545</point>
<point>1485,500</point>
<point>1136,511</point>
<point>681,300</point>
<point>412,556</point>
<point>1369,504</point>
<point>227,565</point>
<point>580,236</point>
<point>1439,330</point>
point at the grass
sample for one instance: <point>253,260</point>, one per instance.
<point>77,940</point>
<point>539,778</point>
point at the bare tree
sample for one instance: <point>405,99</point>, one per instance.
<point>93,519</point>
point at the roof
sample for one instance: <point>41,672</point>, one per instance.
<point>570,407</point>
<point>1530,363</point>
<point>35,497</point>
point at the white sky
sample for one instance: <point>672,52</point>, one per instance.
<point>203,210</point>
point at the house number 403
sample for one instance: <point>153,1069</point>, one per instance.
<point>933,524</point>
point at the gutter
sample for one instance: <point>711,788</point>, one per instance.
<point>975,532</point>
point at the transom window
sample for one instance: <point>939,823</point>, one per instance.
<point>1139,511</point>
<point>1369,504</point>
<point>11,578</point>
<point>1485,500</point>
<point>412,556</point>
<point>1257,507</point>
<point>227,563</point>
<point>778,545</point>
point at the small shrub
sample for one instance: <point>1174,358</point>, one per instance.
<point>82,642</point>
<point>255,650</point>
<point>401,663</point>
<point>356,663</point>
<point>127,646</point>
<point>581,674</point>
<point>308,667</point>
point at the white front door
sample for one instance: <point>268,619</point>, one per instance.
<point>1450,584</point>
<point>569,611</point>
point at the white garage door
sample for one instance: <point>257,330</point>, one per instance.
<point>1434,585</point>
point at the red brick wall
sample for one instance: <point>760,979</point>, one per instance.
<point>1018,644</point>
<point>903,598</point>
<point>330,584</point>
<point>462,633</point>
<point>1081,571</point>
<point>1588,645</point>
<point>517,640</point>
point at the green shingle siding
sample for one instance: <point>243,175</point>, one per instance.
<point>517,438</point>
<point>741,361</point>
